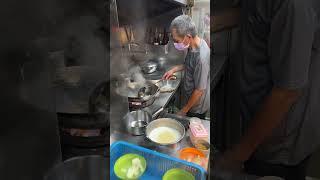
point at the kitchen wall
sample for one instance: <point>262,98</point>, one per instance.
<point>201,17</point>
<point>150,15</point>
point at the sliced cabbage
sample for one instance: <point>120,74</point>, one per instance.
<point>136,169</point>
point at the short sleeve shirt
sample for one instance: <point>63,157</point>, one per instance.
<point>197,76</point>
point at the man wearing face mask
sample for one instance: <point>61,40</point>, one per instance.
<point>196,81</point>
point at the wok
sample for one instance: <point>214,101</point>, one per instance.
<point>131,90</point>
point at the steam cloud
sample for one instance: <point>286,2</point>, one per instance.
<point>136,74</point>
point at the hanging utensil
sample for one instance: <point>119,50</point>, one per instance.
<point>128,34</point>
<point>131,34</point>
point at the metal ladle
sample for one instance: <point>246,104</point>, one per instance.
<point>142,92</point>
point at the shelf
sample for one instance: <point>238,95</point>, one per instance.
<point>135,11</point>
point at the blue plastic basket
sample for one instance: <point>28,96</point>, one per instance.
<point>157,163</point>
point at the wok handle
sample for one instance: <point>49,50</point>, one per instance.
<point>182,119</point>
<point>154,115</point>
<point>157,94</point>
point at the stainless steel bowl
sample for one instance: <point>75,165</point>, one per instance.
<point>137,121</point>
<point>165,122</point>
<point>149,67</point>
<point>167,85</point>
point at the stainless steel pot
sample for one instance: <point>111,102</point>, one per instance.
<point>165,122</point>
<point>137,121</point>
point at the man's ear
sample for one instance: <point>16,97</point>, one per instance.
<point>189,36</point>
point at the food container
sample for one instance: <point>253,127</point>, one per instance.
<point>199,135</point>
<point>157,163</point>
<point>177,174</point>
<point>198,132</point>
<point>125,167</point>
<point>202,145</point>
<point>165,123</point>
<point>194,155</point>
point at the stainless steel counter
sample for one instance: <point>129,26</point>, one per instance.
<point>123,135</point>
<point>164,98</point>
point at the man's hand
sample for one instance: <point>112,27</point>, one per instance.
<point>168,74</point>
<point>196,95</point>
<point>182,112</point>
<point>193,100</point>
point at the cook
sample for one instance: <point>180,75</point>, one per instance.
<point>196,81</point>
<point>279,88</point>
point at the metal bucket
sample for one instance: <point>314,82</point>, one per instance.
<point>81,168</point>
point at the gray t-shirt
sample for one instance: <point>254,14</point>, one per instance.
<point>280,47</point>
<point>197,76</point>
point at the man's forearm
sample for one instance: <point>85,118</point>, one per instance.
<point>193,100</point>
<point>273,111</point>
<point>178,68</point>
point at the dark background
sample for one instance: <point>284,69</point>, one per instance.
<point>29,31</point>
